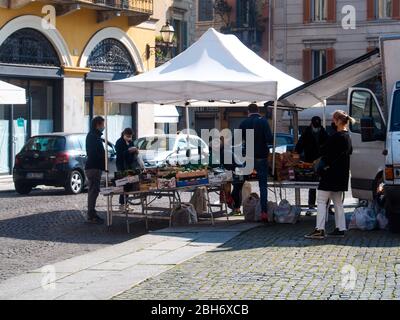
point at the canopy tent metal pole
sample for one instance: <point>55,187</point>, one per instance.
<point>297,197</point>
<point>187,117</point>
<point>106,159</point>
<point>274,145</point>
<point>324,115</point>
<point>295,118</point>
<point>187,124</point>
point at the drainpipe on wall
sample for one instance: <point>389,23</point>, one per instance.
<point>270,30</point>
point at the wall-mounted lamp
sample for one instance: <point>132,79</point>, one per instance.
<point>167,34</point>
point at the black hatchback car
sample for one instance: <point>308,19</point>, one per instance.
<point>56,159</point>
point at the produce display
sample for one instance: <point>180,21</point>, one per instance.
<point>289,167</point>
<point>192,175</point>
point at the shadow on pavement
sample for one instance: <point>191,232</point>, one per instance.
<point>69,226</point>
<point>38,192</point>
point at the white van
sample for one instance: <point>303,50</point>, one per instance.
<point>375,163</point>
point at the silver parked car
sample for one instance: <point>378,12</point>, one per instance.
<point>159,150</point>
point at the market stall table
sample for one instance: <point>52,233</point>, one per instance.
<point>173,195</point>
<point>296,185</point>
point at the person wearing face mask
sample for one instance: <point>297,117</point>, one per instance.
<point>95,164</point>
<point>309,145</point>
<point>128,157</point>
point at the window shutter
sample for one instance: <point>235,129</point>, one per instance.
<point>307,60</point>
<point>330,59</point>
<point>307,11</point>
<point>396,9</point>
<point>370,10</point>
<point>331,11</point>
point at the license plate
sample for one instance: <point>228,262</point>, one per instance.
<point>34,175</point>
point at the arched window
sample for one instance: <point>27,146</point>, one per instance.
<point>110,55</point>
<point>28,47</point>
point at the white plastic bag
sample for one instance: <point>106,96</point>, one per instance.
<point>364,218</point>
<point>199,200</point>
<point>246,191</point>
<point>184,215</point>
<point>383,221</point>
<point>252,208</point>
<point>285,213</point>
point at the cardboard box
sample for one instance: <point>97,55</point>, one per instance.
<point>166,183</point>
<point>126,180</point>
<point>110,190</point>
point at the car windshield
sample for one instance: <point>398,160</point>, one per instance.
<point>395,121</point>
<point>156,143</point>
<point>45,144</point>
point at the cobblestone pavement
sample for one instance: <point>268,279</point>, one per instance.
<point>49,226</point>
<point>276,262</point>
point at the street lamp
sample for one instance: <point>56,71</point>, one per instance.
<point>167,34</point>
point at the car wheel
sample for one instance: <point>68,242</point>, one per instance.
<point>23,188</point>
<point>75,183</point>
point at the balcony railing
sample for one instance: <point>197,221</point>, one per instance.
<point>144,6</point>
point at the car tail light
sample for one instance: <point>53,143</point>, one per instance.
<point>17,161</point>
<point>62,157</point>
<point>389,173</point>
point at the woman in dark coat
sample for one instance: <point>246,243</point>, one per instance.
<point>127,155</point>
<point>334,176</point>
<point>228,165</point>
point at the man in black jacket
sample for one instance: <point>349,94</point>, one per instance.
<point>310,144</point>
<point>95,164</point>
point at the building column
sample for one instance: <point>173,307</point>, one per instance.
<point>74,99</point>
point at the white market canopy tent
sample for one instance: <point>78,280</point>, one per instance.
<point>217,67</point>
<point>10,94</point>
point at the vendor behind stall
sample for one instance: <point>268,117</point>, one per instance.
<point>309,145</point>
<point>225,149</point>
<point>128,157</point>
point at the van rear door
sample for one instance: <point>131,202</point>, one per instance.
<point>393,145</point>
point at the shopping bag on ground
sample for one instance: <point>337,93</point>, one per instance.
<point>382,220</point>
<point>364,218</point>
<point>285,213</point>
<point>246,190</point>
<point>199,200</point>
<point>251,206</point>
<point>184,215</point>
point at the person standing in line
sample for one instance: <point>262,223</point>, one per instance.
<point>95,164</point>
<point>335,171</point>
<point>262,138</point>
<point>310,144</point>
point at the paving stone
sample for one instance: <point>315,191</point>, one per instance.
<point>276,262</point>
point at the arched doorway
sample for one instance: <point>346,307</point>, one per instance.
<point>109,60</point>
<point>29,60</point>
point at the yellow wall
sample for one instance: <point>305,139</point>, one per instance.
<point>78,27</point>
